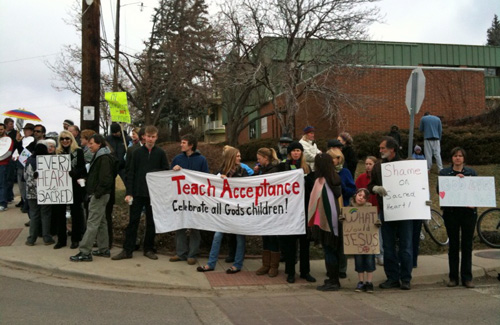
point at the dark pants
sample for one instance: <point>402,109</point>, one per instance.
<point>288,245</point>
<point>398,265</point>
<point>417,228</point>
<point>270,243</point>
<point>109,216</point>
<point>332,259</point>
<point>59,221</point>
<point>135,217</point>
<point>460,222</point>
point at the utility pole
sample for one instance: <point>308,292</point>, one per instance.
<point>117,46</point>
<point>91,65</point>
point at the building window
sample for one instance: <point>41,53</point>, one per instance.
<point>252,130</point>
<point>490,72</point>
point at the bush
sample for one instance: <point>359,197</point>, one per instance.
<point>479,142</point>
<point>249,150</point>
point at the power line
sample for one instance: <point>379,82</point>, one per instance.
<point>31,58</point>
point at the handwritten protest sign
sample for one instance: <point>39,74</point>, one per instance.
<point>259,205</point>
<point>467,191</point>
<point>54,184</point>
<point>25,154</point>
<point>118,106</point>
<point>407,186</point>
<point>361,236</point>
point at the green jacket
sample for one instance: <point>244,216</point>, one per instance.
<point>100,179</point>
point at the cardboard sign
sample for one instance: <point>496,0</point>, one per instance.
<point>54,185</point>
<point>118,106</point>
<point>361,235</point>
<point>467,191</point>
<point>259,205</point>
<point>407,186</point>
<point>24,156</point>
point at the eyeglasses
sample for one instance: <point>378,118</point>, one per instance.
<point>65,139</point>
<point>38,131</point>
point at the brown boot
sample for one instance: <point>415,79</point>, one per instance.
<point>266,260</point>
<point>275,264</point>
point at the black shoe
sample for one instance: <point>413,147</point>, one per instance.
<point>20,204</point>
<point>123,255</point>
<point>290,278</point>
<point>27,224</point>
<point>405,285</point>
<point>328,286</point>
<point>50,242</point>
<point>106,253</point>
<point>59,245</point>
<point>80,257</point>
<point>308,277</point>
<point>151,255</point>
<point>29,243</point>
<point>74,245</point>
<point>229,259</point>
<point>342,275</point>
<point>388,284</point>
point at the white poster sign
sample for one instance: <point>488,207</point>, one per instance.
<point>407,186</point>
<point>258,205</point>
<point>24,156</point>
<point>54,185</point>
<point>467,191</point>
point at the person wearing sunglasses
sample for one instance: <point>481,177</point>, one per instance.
<point>68,146</point>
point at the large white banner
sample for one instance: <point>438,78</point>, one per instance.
<point>467,191</point>
<point>258,205</point>
<point>54,185</point>
<point>407,186</point>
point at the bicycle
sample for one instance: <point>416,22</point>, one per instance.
<point>488,227</point>
<point>436,229</point>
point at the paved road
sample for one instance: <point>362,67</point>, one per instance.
<point>28,298</point>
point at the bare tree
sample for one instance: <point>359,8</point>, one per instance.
<point>283,45</point>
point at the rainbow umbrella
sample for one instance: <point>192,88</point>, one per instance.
<point>22,114</point>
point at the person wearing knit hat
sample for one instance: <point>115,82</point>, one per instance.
<point>310,147</point>
<point>417,153</point>
<point>288,244</point>
<point>67,123</point>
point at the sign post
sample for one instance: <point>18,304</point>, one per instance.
<point>415,93</point>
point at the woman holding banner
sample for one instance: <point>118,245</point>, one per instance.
<point>459,220</point>
<point>324,211</point>
<point>230,168</point>
<point>268,163</point>
<point>295,160</point>
<point>68,146</point>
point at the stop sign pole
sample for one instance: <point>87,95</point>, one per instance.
<point>415,93</point>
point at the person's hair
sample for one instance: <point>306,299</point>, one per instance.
<point>44,130</point>
<point>303,163</point>
<point>7,120</point>
<point>225,148</point>
<point>150,129</point>
<point>72,147</point>
<point>99,139</point>
<point>1,124</point>
<point>336,152</point>
<point>346,137</point>
<point>323,165</point>
<point>268,153</point>
<point>390,143</point>
<point>457,149</point>
<point>136,129</point>
<point>372,158</point>
<point>191,140</point>
<point>229,160</point>
<point>87,133</point>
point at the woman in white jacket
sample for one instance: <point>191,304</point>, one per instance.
<point>310,147</point>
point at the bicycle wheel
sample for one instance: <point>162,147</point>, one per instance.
<point>436,229</point>
<point>488,227</point>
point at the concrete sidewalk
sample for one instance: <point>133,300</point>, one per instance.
<point>143,272</point>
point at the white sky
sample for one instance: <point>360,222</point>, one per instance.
<point>33,31</point>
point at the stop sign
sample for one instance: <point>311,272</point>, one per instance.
<point>415,90</point>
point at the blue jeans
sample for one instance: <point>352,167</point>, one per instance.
<point>364,263</point>
<point>3,185</point>
<point>214,251</point>
<point>398,266</point>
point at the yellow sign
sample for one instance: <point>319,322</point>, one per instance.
<point>118,106</point>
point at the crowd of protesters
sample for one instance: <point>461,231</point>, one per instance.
<point>329,185</point>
